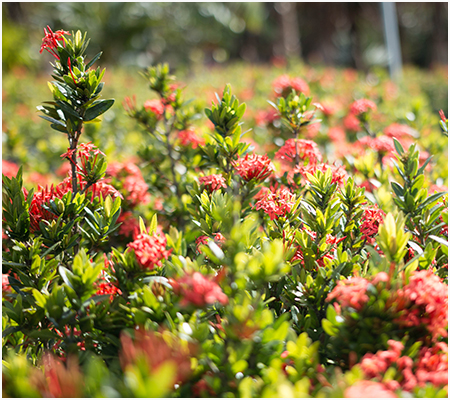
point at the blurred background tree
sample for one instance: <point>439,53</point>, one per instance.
<point>140,34</point>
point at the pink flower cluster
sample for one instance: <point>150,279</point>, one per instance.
<point>424,302</point>
<point>219,239</point>
<point>189,137</point>
<point>306,150</point>
<point>133,185</point>
<point>339,175</point>
<point>105,287</point>
<point>276,204</point>
<point>150,250</point>
<point>380,144</point>
<point>369,389</point>
<point>431,366</point>
<point>362,106</point>
<point>284,84</point>
<point>198,290</point>
<point>155,106</point>
<point>254,166</point>
<point>9,168</point>
<point>399,131</point>
<point>370,221</point>
<point>212,182</point>
<point>350,292</point>
<point>129,224</point>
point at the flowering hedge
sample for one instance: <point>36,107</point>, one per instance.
<point>311,262</point>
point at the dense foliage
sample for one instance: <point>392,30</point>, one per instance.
<point>307,257</point>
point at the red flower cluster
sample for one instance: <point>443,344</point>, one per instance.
<point>306,149</point>
<point>156,351</point>
<point>189,137</point>
<point>276,204</point>
<point>366,389</point>
<point>51,39</point>
<point>370,221</point>
<point>351,123</point>
<point>84,152</point>
<point>155,106</point>
<point>6,287</point>
<point>339,175</point>
<point>43,196</point>
<point>380,144</point>
<point>431,367</point>
<point>350,292</point>
<point>198,290</point>
<point>254,166</point>
<point>107,288</point>
<point>134,188</point>
<point>399,131</point>
<point>284,84</point>
<point>150,250</point>
<point>129,224</point>
<point>219,239</point>
<point>362,106</point>
<point>424,302</point>
<point>212,182</point>
<point>9,169</point>
<point>329,239</point>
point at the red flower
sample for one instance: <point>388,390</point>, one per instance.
<point>370,221</point>
<point>212,182</point>
<point>198,290</point>
<point>6,287</point>
<point>254,166</point>
<point>150,250</point>
<point>134,188</point>
<point>339,175</point>
<point>9,169</point>
<point>50,41</point>
<point>155,351</point>
<point>381,144</point>
<point>306,149</point>
<point>350,292</point>
<point>362,106</point>
<point>399,131</point>
<point>189,137</point>
<point>351,123</point>
<point>107,288</point>
<point>284,84</point>
<point>369,389</point>
<point>424,302</point>
<point>276,204</point>
<point>155,106</point>
<point>129,224</point>
<point>219,239</point>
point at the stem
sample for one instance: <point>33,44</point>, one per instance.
<point>297,157</point>
<point>168,129</point>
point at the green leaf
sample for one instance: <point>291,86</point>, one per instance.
<point>398,147</point>
<point>91,63</point>
<point>439,240</point>
<point>97,109</point>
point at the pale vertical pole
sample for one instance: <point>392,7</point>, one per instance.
<point>392,39</point>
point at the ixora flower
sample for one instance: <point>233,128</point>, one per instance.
<point>306,150</point>
<point>276,204</point>
<point>339,175</point>
<point>43,195</point>
<point>219,239</point>
<point>424,302</point>
<point>155,106</point>
<point>254,166</point>
<point>51,39</point>
<point>370,221</point>
<point>350,293</point>
<point>189,137</point>
<point>362,106</point>
<point>150,250</point>
<point>198,290</point>
<point>9,168</point>
<point>369,389</point>
<point>157,349</point>
<point>284,84</point>
<point>212,182</point>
